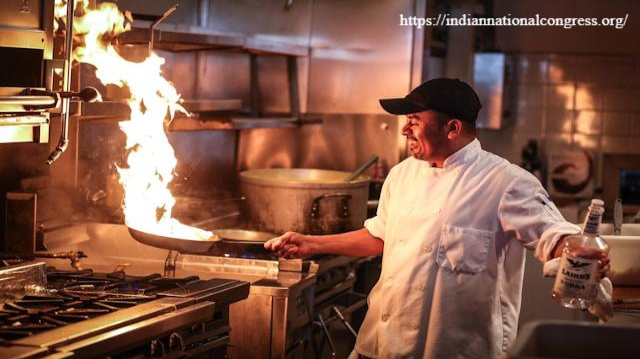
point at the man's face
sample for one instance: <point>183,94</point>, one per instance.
<point>426,135</point>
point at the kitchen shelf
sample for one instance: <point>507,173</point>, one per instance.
<point>237,123</point>
<point>222,122</point>
<point>178,37</point>
<point>120,108</point>
<point>261,46</point>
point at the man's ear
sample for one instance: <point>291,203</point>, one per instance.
<point>455,128</point>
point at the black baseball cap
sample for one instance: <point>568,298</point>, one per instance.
<point>448,96</point>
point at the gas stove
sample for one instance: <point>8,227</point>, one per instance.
<point>83,314</point>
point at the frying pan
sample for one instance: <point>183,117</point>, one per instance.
<point>177,244</point>
<point>229,236</point>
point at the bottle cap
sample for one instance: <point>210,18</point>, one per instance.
<point>597,202</point>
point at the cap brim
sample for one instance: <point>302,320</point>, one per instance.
<point>400,106</point>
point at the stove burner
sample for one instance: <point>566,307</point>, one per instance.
<point>79,295</point>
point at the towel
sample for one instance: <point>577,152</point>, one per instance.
<point>601,306</point>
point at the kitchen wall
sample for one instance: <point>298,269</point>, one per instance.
<point>573,102</point>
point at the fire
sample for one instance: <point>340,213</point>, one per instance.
<point>151,160</point>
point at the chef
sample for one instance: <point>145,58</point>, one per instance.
<point>453,225</point>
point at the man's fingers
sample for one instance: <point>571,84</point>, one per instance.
<point>604,270</point>
<point>291,252</point>
<point>275,244</point>
<point>282,251</point>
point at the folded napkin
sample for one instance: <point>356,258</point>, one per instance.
<point>602,306</point>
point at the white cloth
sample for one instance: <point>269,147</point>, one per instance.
<point>454,252</point>
<point>602,305</point>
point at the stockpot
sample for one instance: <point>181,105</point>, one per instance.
<point>309,201</point>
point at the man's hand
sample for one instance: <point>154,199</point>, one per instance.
<point>602,257</point>
<point>291,245</point>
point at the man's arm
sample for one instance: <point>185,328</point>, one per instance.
<point>359,243</point>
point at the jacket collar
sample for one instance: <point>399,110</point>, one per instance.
<point>463,155</point>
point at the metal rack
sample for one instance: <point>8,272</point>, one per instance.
<point>182,38</point>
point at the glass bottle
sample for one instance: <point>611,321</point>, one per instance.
<point>578,275</point>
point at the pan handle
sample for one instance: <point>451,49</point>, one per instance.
<point>344,204</point>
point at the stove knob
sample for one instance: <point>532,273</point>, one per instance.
<point>157,348</point>
<point>176,342</point>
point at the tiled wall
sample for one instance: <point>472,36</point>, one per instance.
<point>567,101</point>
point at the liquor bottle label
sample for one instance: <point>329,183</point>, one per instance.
<point>576,277</point>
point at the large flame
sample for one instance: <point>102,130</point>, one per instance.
<point>147,200</point>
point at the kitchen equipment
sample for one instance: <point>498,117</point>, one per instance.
<point>305,200</point>
<point>617,217</point>
<point>362,168</point>
<point>178,244</point>
<point>85,314</point>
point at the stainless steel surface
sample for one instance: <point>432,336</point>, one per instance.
<point>277,316</point>
<point>28,100</point>
<point>223,74</point>
<point>169,38</point>
<point>315,146</point>
<point>196,38</point>
<point>294,194</point>
<point>112,342</point>
<point>491,80</point>
<point>245,319</point>
<point>362,168</point>
<point>24,129</point>
<point>105,323</point>
<point>126,316</point>
<point>211,105</point>
<point>26,43</point>
<point>27,24</point>
<point>617,217</point>
<point>214,290</point>
<point>178,244</point>
<point>352,63</point>
<point>63,142</point>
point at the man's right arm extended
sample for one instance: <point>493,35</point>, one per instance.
<point>359,243</point>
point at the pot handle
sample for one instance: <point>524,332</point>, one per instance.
<point>344,203</point>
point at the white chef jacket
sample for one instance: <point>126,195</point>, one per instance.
<point>454,253</point>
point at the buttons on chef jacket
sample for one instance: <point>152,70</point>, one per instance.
<point>421,287</point>
<point>415,326</point>
<point>437,209</point>
<point>385,317</point>
<point>424,171</point>
<point>389,281</point>
<point>427,248</point>
<point>401,241</point>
